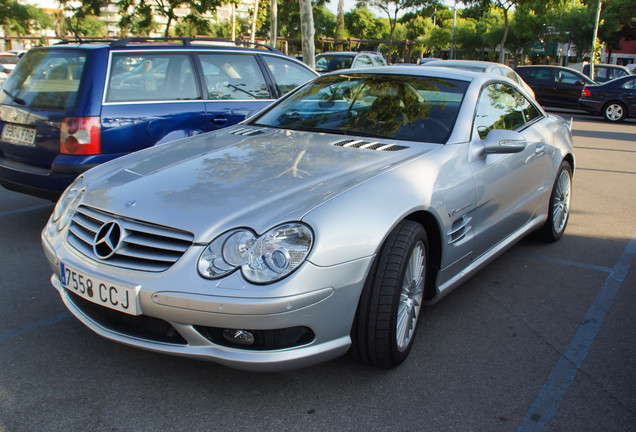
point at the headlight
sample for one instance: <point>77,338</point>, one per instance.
<point>68,202</point>
<point>263,259</point>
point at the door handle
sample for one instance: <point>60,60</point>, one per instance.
<point>219,119</point>
<point>539,150</point>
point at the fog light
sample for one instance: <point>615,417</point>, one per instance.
<point>239,337</point>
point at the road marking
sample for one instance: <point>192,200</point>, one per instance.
<point>558,383</point>
<point>35,325</point>
<point>565,262</point>
<point>24,210</point>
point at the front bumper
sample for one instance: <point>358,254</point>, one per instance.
<point>322,299</point>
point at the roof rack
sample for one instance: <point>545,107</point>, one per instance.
<point>188,41</point>
<point>80,40</point>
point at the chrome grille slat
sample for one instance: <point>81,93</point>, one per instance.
<point>83,234</point>
<point>156,243</point>
<point>140,254</point>
<point>88,224</point>
<point>142,246</point>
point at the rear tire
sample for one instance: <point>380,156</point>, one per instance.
<point>559,210</point>
<point>388,313</point>
<point>614,112</point>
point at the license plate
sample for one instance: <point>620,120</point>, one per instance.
<point>18,135</point>
<point>97,290</point>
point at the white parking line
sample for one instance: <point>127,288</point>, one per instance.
<point>24,210</point>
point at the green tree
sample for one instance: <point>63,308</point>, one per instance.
<point>137,14</point>
<point>75,15</point>
<point>392,9</point>
<point>17,19</point>
<point>361,23</point>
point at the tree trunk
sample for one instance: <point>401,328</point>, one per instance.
<point>254,16</point>
<point>167,32</point>
<point>340,23</point>
<point>307,32</point>
<point>233,6</point>
<point>502,54</point>
<point>273,25</point>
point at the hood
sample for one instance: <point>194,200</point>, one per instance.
<point>239,177</point>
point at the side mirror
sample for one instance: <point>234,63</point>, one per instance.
<point>501,141</point>
<point>579,83</point>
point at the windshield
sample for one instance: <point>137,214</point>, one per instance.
<point>413,108</point>
<point>332,62</point>
<point>47,79</point>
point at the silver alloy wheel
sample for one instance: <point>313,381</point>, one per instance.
<point>411,296</point>
<point>614,112</point>
<point>561,204</point>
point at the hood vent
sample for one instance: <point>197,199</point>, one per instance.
<point>366,145</point>
<point>247,131</point>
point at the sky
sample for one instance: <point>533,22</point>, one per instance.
<point>350,4</point>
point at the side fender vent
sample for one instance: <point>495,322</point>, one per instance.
<point>460,228</point>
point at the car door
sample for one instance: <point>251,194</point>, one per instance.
<point>541,80</point>
<point>236,87</point>
<point>629,95</point>
<point>509,186</point>
<point>568,89</point>
<point>151,97</point>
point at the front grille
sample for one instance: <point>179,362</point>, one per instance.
<point>141,326</point>
<point>143,246</point>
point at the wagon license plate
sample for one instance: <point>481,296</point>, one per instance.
<point>97,290</point>
<point>18,135</point>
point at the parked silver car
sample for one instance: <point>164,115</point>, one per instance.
<point>484,66</point>
<point>320,225</point>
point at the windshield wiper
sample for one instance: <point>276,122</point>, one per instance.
<point>16,99</point>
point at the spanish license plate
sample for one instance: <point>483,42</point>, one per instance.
<point>18,135</point>
<point>97,290</point>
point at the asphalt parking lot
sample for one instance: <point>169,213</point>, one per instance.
<point>543,339</point>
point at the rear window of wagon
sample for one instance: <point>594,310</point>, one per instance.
<point>47,79</point>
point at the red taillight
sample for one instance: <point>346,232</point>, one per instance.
<point>585,92</point>
<point>81,136</point>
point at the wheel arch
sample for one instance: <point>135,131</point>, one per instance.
<point>430,224</point>
<point>569,157</point>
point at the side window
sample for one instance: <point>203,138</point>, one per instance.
<point>288,75</point>
<point>617,73</point>
<point>502,107</point>
<point>540,74</point>
<point>600,72</point>
<point>629,84</point>
<point>147,77</point>
<point>568,77</point>
<point>379,60</point>
<point>233,76</point>
<point>363,61</point>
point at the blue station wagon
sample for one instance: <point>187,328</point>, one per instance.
<point>70,107</point>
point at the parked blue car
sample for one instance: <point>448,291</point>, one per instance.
<point>67,108</point>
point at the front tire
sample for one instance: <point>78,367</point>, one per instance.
<point>559,210</point>
<point>614,112</point>
<point>388,313</point>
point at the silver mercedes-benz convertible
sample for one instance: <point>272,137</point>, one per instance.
<point>320,225</point>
